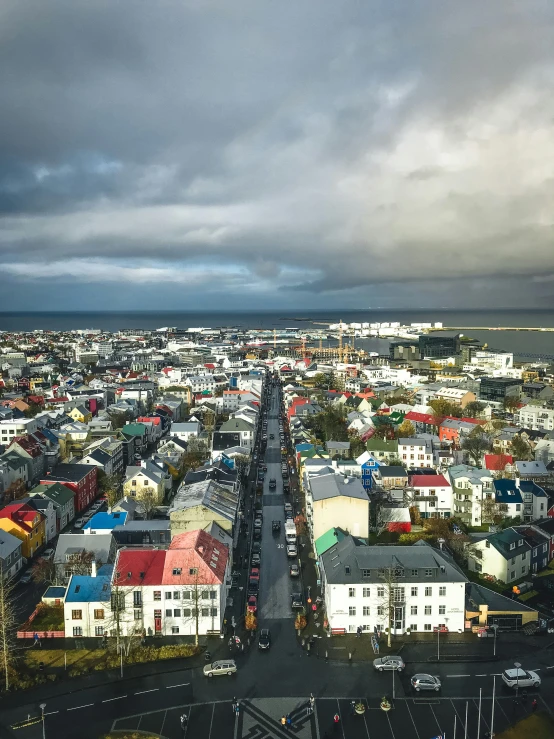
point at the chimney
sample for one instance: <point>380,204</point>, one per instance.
<point>93,568</point>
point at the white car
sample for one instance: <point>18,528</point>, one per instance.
<point>48,553</point>
<point>79,523</point>
<point>292,551</point>
<point>423,681</point>
<point>221,667</point>
<point>518,678</point>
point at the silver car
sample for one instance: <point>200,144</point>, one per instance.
<point>422,681</point>
<point>389,663</point>
<point>221,667</point>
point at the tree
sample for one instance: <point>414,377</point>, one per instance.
<point>521,450</point>
<point>491,511</point>
<point>322,380</point>
<point>44,571</point>
<point>511,403</point>
<point>474,409</point>
<point>148,501</point>
<point>476,445</point>
<point>442,407</point>
<point>406,430</point>
<point>15,491</point>
<point>357,446</point>
<point>8,624</point>
<point>389,594</point>
<point>119,419</point>
<point>111,486</point>
<point>384,431</point>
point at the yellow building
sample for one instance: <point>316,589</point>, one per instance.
<point>21,520</point>
<point>80,413</point>
<point>141,483</point>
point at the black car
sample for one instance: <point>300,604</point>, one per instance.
<point>256,547</point>
<point>264,641</point>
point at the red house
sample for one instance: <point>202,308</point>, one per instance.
<point>81,478</point>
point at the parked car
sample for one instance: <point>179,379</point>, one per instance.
<point>255,559</point>
<point>220,667</point>
<point>26,578</point>
<point>253,587</point>
<point>255,573</point>
<point>264,641</point>
<point>389,663</point>
<point>48,553</point>
<point>292,551</point>
<point>518,678</point>
<point>288,507</point>
<point>272,436</point>
<point>256,547</point>
<point>252,605</point>
<point>294,570</point>
<point>79,523</point>
<point>422,681</point>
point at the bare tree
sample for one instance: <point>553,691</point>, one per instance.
<point>148,501</point>
<point>8,623</point>
<point>44,571</point>
<point>112,487</point>
<point>391,596</point>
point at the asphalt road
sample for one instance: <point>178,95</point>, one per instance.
<point>275,586</point>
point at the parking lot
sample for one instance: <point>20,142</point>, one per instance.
<point>423,717</point>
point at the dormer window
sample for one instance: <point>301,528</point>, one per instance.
<point>176,570</point>
<point>512,546</point>
<point>520,543</point>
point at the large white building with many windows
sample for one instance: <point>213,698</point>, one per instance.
<point>404,588</point>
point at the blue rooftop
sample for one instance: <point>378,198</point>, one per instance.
<point>503,486</point>
<point>105,520</point>
<point>528,486</point>
<point>88,589</point>
<point>508,496</point>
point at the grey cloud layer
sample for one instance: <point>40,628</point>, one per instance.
<point>314,147</point>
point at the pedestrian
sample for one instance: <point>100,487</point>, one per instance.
<point>312,700</point>
<point>184,721</point>
<point>336,718</point>
<point>284,721</point>
<point>289,721</point>
<point>353,707</point>
<point>534,704</point>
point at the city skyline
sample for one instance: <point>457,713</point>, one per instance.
<point>255,156</point>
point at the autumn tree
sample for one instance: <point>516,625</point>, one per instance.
<point>474,409</point>
<point>406,430</point>
<point>476,445</point>
<point>511,403</point>
<point>111,486</point>
<point>15,491</point>
<point>119,419</point>
<point>44,571</point>
<point>442,407</point>
<point>521,450</point>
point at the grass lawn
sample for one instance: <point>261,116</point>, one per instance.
<point>48,619</point>
<point>474,577</point>
<point>537,725</point>
<point>55,657</point>
<point>548,570</point>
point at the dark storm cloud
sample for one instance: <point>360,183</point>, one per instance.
<point>277,149</point>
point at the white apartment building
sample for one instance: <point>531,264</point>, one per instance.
<point>16,427</point>
<point>490,361</point>
<point>199,383</point>
<point>103,348</point>
<point>471,486</point>
<point>432,495</point>
<point>535,417</point>
<point>404,588</point>
<point>415,452</point>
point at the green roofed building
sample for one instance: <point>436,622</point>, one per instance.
<point>328,540</point>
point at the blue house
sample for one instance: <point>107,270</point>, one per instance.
<point>104,523</point>
<point>369,465</point>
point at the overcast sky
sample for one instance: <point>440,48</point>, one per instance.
<point>216,154</point>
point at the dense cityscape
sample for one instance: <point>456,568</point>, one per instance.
<point>226,496</point>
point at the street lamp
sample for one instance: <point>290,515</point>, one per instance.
<point>517,665</point>
<point>495,629</point>
<point>42,706</point>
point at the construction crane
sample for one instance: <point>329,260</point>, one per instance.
<point>274,338</point>
<point>340,341</point>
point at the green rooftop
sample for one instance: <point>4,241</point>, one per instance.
<point>328,540</point>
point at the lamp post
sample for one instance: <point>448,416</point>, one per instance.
<point>42,707</point>
<point>517,665</point>
<point>495,628</point>
<point>493,699</point>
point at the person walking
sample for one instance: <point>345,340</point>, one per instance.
<point>534,704</point>
<point>336,718</point>
<point>289,722</point>
<point>284,721</point>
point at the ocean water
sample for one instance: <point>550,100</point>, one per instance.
<point>520,343</point>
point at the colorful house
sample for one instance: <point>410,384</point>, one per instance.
<point>27,524</point>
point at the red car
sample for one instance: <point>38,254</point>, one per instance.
<point>252,606</point>
<point>255,573</point>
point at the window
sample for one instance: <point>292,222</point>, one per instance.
<point>442,591</point>
<point>428,573</point>
<point>428,592</point>
<point>204,595</point>
<point>351,592</point>
<point>177,613</point>
<point>414,592</point>
<point>174,629</point>
<point>413,627</point>
<point>512,545</point>
<point>366,573</point>
<point>137,598</point>
<point>77,631</point>
<point>352,610</point>
<point>427,610</point>
<point>415,573</point>
<point>157,594</point>
<point>442,610</point>
<point>213,595</point>
<point>145,483</point>
<point>380,592</point>
<point>168,612</point>
<point>176,570</point>
<point>138,615</point>
<point>427,627</point>
<point>76,615</point>
<point>186,595</point>
<point>193,571</point>
<point>366,611</point>
<point>186,612</point>
<point>366,592</point>
<point>380,610</point>
<point>399,572</point>
<point>99,614</point>
<point>512,575</point>
<point>98,631</point>
<point>398,594</point>
<point>176,595</point>
<point>413,610</point>
<point>213,611</point>
<point>520,543</point>
<point>168,596</point>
